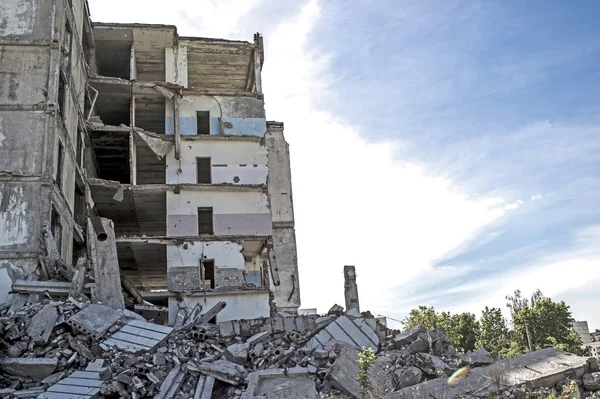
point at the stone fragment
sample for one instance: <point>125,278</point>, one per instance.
<point>224,370</point>
<point>343,375</point>
<point>32,367</point>
<point>336,310</point>
<point>16,350</point>
<point>591,381</point>
<point>237,353</point>
<point>408,336</point>
<point>354,332</point>
<point>41,324</point>
<point>419,346</point>
<point>256,338</point>
<point>480,357</point>
<point>95,320</point>
<point>432,365</point>
<point>281,384</point>
<point>407,377</point>
<point>592,365</point>
<point>204,387</point>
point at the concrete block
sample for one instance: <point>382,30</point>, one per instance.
<point>227,329</point>
<point>408,336</point>
<point>204,387</point>
<point>480,357</point>
<point>543,368</point>
<point>259,337</point>
<point>237,353</point>
<point>275,384</point>
<point>224,370</point>
<point>289,324</point>
<point>137,336</point>
<point>32,367</point>
<point>41,324</point>
<point>354,332</point>
<point>343,375</point>
<point>277,323</point>
<point>95,320</point>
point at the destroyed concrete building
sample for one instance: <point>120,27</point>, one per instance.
<point>132,132</point>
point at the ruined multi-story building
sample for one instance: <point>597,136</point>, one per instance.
<point>162,134</point>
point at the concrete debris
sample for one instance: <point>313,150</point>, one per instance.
<point>345,369</point>
<point>542,368</point>
<point>92,350</point>
<point>33,367</point>
<point>591,381</point>
<point>95,320</point>
<point>354,332</point>
<point>41,324</point>
<point>408,336</point>
<point>159,146</point>
<point>136,336</point>
<point>480,357</point>
<point>281,384</point>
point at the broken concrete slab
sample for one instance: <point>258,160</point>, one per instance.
<point>257,338</point>
<point>591,381</point>
<point>204,388</point>
<point>407,377</point>
<point>224,370</point>
<point>408,336</point>
<point>354,332</point>
<point>237,353</point>
<point>158,146</point>
<point>432,365</point>
<point>37,368</point>
<point>41,324</point>
<point>480,357</point>
<point>280,384</point>
<point>79,385</point>
<point>137,336</point>
<point>345,369</point>
<point>172,383</point>
<point>94,320</point>
<point>543,368</point>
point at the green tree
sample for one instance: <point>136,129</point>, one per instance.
<point>549,324</point>
<point>493,332</point>
<point>462,329</point>
<point>424,316</point>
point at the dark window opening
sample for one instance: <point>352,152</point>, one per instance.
<point>204,170</point>
<point>203,122</point>
<point>60,165</point>
<point>61,97</point>
<point>208,274</point>
<point>67,47</point>
<point>56,227</point>
<point>79,213</point>
<point>205,221</point>
<point>79,148</point>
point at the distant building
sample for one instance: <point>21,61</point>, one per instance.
<point>581,328</point>
<point>594,348</point>
<point>595,336</point>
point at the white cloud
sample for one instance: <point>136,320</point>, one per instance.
<point>536,197</point>
<point>355,201</point>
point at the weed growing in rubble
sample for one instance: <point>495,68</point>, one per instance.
<point>365,360</point>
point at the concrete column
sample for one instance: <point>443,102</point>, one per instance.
<point>350,288</point>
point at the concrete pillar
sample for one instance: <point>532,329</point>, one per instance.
<point>350,288</point>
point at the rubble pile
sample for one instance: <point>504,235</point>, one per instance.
<point>76,347</point>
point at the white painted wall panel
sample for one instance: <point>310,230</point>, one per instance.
<point>232,174</point>
<point>244,306</point>
<point>224,253</point>
<point>188,202</point>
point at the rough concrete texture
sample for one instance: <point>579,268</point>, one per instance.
<point>41,325</point>
<point>237,353</point>
<point>344,370</point>
<point>353,331</point>
<point>280,384</point>
<point>480,357</point>
<point>95,320</point>
<point>543,368</point>
<point>408,336</point>
<point>32,367</point>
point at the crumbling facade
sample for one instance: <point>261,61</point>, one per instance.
<point>165,136</point>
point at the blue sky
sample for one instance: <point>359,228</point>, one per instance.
<point>449,150</point>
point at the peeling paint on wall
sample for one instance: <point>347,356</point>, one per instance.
<point>14,210</point>
<point>17,16</point>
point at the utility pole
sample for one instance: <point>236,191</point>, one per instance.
<point>528,337</point>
